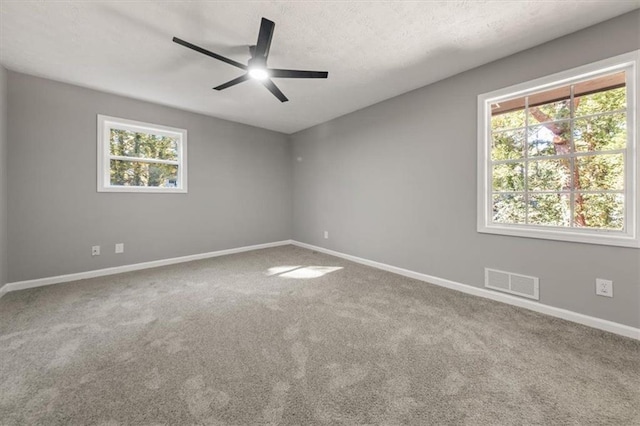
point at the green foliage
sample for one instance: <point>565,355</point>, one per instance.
<point>508,145</point>
<point>125,143</point>
<point>605,211</point>
<point>600,133</point>
<point>549,209</point>
<point>548,175</point>
<point>553,132</point>
<point>508,120</point>
<point>508,177</point>
<point>601,172</point>
<point>509,208</point>
<point>599,102</point>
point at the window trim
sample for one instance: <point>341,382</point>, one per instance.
<point>630,236</point>
<point>106,123</point>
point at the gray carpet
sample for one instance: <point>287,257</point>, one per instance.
<point>289,336</point>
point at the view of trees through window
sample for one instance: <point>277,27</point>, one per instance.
<point>558,157</point>
<point>142,159</point>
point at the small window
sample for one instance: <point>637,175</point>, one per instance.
<point>557,156</point>
<point>140,157</point>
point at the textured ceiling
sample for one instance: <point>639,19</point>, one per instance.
<point>372,50</point>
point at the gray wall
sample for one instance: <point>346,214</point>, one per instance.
<point>396,183</point>
<point>3,176</point>
<point>239,185</point>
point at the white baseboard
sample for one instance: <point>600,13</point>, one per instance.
<point>601,324</point>
<point>21,285</point>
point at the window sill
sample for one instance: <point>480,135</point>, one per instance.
<point>594,237</point>
<point>131,189</point>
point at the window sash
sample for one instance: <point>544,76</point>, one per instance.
<point>144,160</point>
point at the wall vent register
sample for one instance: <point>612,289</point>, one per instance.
<point>509,282</point>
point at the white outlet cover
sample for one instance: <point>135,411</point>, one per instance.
<point>326,234</point>
<point>95,251</point>
<point>120,248</point>
<point>604,287</point>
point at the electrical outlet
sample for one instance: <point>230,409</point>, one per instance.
<point>326,235</point>
<point>604,287</point>
<point>120,248</point>
<point>95,251</point>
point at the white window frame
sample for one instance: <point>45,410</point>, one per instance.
<point>106,123</point>
<point>629,236</point>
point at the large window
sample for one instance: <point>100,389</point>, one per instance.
<point>558,159</point>
<point>140,157</point>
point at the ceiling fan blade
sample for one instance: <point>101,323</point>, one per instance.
<point>297,74</point>
<point>264,38</point>
<point>209,53</point>
<point>233,82</point>
<point>274,89</point>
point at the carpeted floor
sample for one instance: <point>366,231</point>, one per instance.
<point>289,336</point>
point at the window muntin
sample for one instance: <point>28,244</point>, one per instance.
<point>140,157</point>
<point>557,156</point>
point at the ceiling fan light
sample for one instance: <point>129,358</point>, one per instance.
<point>258,73</point>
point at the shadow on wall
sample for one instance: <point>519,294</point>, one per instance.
<point>301,272</point>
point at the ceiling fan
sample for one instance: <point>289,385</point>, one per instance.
<point>256,68</point>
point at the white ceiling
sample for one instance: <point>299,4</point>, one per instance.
<point>372,50</point>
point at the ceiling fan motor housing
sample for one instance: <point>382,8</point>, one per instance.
<point>259,62</point>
